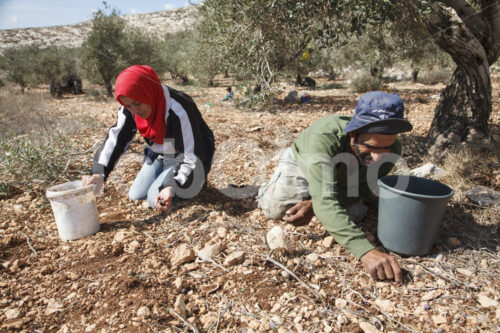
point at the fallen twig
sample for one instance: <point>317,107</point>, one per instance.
<point>213,263</point>
<point>296,278</point>
<point>194,329</point>
<point>80,153</point>
<point>453,281</point>
<point>388,316</point>
<point>219,315</point>
<point>29,244</point>
<point>86,151</point>
<point>145,233</point>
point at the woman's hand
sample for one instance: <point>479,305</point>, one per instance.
<point>164,199</point>
<point>97,180</point>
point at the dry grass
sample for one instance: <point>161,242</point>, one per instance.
<point>23,113</point>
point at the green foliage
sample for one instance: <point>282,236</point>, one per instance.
<point>364,83</point>
<point>27,159</point>
<point>179,49</point>
<point>111,47</point>
<point>435,76</point>
<point>19,63</point>
<point>103,50</point>
<point>142,48</point>
<point>55,64</point>
<point>32,65</point>
<point>259,39</point>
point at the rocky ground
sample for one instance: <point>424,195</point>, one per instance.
<point>205,266</point>
<point>72,35</point>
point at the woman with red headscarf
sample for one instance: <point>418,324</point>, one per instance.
<point>180,145</point>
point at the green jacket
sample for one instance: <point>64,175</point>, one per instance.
<point>332,185</point>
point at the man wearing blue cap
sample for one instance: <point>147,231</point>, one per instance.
<point>331,167</point>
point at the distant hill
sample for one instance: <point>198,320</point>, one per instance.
<point>73,35</point>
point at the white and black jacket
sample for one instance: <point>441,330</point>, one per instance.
<point>187,138</point>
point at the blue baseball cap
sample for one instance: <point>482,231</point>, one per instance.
<point>379,112</point>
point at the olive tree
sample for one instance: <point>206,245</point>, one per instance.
<point>111,47</point>
<point>178,49</point>
<point>260,38</point>
<point>19,63</point>
<point>142,48</point>
<point>103,50</point>
<point>469,31</point>
<point>54,64</point>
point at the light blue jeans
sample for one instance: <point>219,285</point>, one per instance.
<point>150,178</point>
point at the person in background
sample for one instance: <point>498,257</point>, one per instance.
<point>327,172</point>
<point>179,144</point>
<point>229,96</point>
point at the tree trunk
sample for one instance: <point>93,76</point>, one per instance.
<point>414,75</point>
<point>465,105</point>
<point>462,112</point>
<point>109,88</point>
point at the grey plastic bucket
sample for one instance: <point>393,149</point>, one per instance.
<point>410,212</point>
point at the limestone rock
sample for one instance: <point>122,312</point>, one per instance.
<point>143,312</point>
<point>209,251</point>
<point>180,306</point>
<point>368,328</point>
<point>483,196</point>
<point>132,246</point>
<point>179,284</point>
<point>453,242</point>
<point>486,302</point>
<point>312,257</point>
<point>276,239</point>
<point>431,295</point>
<point>328,242</point>
<point>234,258</point>
<point>222,232</point>
<point>385,304</point>
<point>340,303</point>
<point>428,170</point>
<point>120,236</point>
<point>52,306</point>
<point>12,313</point>
<point>438,320</point>
<point>182,254</point>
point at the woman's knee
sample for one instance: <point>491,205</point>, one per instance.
<point>135,194</point>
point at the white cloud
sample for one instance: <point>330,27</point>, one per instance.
<point>14,19</point>
<point>169,6</point>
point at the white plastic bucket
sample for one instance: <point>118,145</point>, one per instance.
<point>74,209</point>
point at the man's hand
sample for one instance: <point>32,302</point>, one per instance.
<point>97,180</point>
<point>300,214</point>
<point>164,199</point>
<point>382,266</point>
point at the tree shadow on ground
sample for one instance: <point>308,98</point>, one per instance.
<point>333,103</point>
<point>414,149</point>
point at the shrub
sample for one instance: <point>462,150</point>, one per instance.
<point>436,76</point>
<point>103,49</point>
<point>364,83</point>
<point>96,95</point>
<point>28,160</point>
<point>18,64</point>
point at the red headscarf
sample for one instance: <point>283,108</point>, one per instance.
<point>141,84</point>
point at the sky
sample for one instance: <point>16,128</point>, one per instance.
<point>42,13</point>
